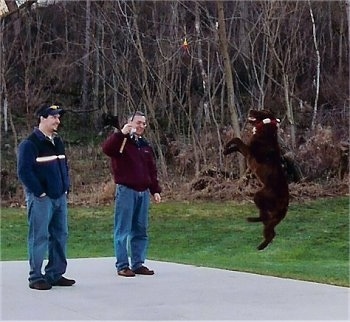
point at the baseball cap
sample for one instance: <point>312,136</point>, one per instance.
<point>47,110</point>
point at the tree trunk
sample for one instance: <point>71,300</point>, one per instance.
<point>313,122</point>
<point>229,80</point>
<point>146,94</point>
<point>86,57</point>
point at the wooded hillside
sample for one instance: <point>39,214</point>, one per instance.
<point>195,68</point>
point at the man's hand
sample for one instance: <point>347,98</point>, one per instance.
<point>157,197</point>
<point>127,128</point>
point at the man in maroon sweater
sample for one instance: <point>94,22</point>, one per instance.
<point>135,174</point>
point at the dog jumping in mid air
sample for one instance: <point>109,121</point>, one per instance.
<point>263,158</point>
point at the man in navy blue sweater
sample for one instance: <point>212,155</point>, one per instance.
<point>42,168</point>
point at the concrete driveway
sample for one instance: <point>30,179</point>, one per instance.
<point>175,292</point>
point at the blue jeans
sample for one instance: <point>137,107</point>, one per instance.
<point>130,227</point>
<point>47,234</point>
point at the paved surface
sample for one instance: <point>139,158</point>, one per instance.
<point>175,292</point>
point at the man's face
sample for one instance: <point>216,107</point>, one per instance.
<point>139,124</point>
<point>51,123</point>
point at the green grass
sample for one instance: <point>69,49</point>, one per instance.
<point>312,242</point>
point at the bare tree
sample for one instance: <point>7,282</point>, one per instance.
<point>347,3</point>
<point>228,75</point>
<point>86,57</point>
<point>318,63</point>
<point>282,52</point>
<point>127,55</point>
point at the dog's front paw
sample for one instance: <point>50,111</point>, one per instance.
<point>229,149</point>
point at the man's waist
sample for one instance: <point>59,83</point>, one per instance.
<point>136,187</point>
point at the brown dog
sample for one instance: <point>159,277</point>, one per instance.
<point>264,160</point>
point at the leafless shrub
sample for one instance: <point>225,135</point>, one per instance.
<point>319,155</point>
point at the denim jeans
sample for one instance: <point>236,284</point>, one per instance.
<point>47,235</point>
<point>130,227</point>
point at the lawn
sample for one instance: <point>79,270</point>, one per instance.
<point>312,242</point>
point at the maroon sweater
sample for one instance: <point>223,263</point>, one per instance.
<point>135,167</point>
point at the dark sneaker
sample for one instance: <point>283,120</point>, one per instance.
<point>64,282</point>
<point>41,285</point>
<point>126,272</point>
<point>143,270</point>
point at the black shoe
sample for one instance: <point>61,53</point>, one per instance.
<point>143,270</point>
<point>64,282</point>
<point>41,285</point>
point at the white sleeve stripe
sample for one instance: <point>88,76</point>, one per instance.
<point>50,158</point>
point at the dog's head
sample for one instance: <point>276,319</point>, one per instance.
<point>262,119</point>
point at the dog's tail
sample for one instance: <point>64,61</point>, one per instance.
<point>254,219</point>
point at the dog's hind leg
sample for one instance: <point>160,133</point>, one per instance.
<point>261,202</point>
<point>269,234</point>
<point>269,229</point>
<point>262,214</point>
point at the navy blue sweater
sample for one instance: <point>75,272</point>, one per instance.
<point>42,166</point>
